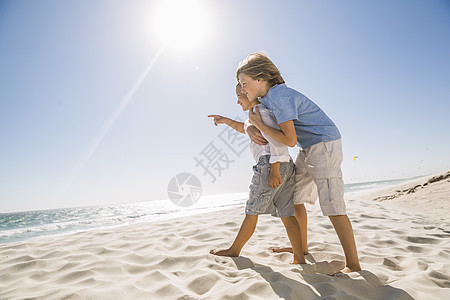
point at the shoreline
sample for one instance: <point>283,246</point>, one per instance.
<point>132,213</point>
<point>404,255</point>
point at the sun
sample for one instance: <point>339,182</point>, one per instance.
<point>181,23</point>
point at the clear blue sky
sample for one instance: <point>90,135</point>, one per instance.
<point>379,69</point>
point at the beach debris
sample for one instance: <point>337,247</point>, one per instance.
<point>412,190</point>
<point>439,178</point>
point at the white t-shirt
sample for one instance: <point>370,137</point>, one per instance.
<point>278,152</point>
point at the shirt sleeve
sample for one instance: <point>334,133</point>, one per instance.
<point>285,109</point>
<point>246,124</point>
<point>278,151</point>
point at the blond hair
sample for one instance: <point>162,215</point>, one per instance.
<point>259,66</point>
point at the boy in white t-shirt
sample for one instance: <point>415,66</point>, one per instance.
<point>272,187</point>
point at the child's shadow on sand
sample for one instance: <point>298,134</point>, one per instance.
<point>320,283</point>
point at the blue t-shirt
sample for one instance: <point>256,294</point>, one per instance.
<point>312,125</point>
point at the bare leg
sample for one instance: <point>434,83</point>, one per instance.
<point>245,232</point>
<point>344,231</point>
<point>293,231</point>
<point>301,216</point>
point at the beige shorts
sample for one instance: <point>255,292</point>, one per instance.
<point>318,174</point>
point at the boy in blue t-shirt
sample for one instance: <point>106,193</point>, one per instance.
<point>318,164</point>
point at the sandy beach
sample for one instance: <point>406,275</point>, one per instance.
<point>402,235</point>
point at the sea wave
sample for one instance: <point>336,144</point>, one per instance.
<point>24,225</point>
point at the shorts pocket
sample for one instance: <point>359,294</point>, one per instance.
<point>256,179</point>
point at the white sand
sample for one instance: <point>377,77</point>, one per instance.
<point>405,254</point>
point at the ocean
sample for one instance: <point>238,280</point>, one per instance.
<point>21,226</point>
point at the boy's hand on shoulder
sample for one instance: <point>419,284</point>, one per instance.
<point>274,177</point>
<point>218,119</point>
<point>255,118</point>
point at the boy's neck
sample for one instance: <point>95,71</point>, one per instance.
<point>266,88</point>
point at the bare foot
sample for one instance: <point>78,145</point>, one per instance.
<point>345,270</point>
<point>285,249</point>
<point>298,262</point>
<point>281,249</point>
<point>224,252</point>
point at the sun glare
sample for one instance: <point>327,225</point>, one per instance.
<point>181,23</point>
